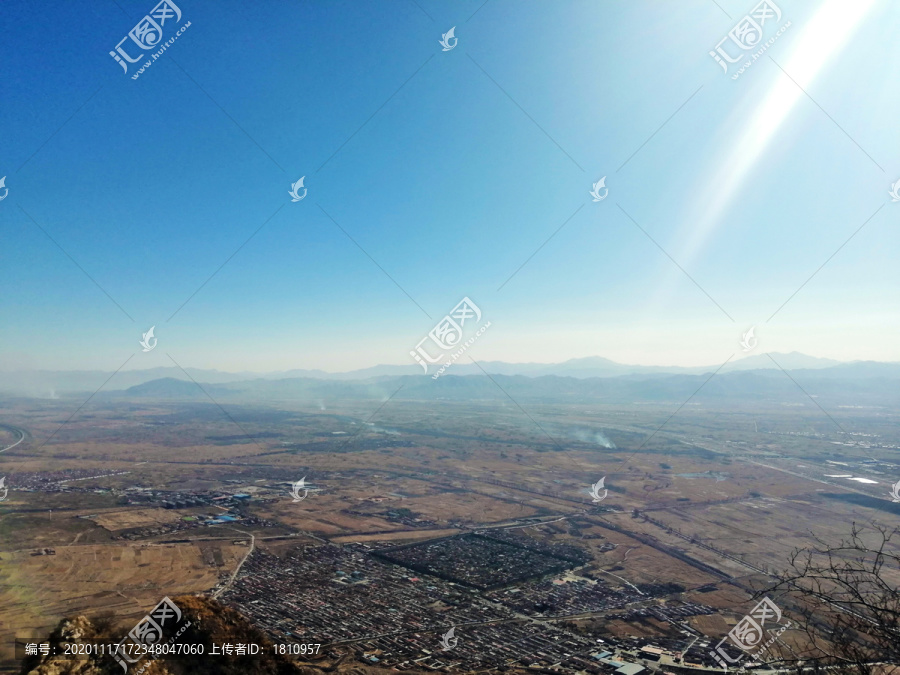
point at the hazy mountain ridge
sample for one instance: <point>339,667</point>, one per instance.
<point>50,383</point>
<point>837,388</point>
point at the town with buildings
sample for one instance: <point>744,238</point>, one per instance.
<point>444,605</point>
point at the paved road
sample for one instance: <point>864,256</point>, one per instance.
<point>8,447</point>
<point>240,564</point>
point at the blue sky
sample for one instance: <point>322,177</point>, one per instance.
<point>449,169</point>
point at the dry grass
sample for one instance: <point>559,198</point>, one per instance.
<point>123,580</point>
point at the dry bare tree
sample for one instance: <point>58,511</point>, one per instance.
<point>845,600</point>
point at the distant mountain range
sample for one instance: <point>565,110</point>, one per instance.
<point>588,379</point>
<point>591,366</point>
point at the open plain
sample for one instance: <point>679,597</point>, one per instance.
<point>132,502</point>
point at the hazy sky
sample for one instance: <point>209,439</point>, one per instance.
<point>434,175</point>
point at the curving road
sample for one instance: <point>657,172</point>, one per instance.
<point>9,447</point>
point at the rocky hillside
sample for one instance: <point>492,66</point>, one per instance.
<point>210,623</point>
